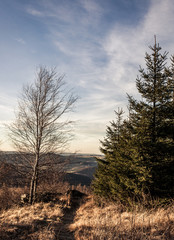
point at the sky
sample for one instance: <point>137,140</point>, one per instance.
<point>98,45</point>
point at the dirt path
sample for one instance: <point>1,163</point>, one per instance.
<point>75,199</point>
<point>62,231</point>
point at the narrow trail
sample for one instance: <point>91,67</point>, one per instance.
<point>62,230</point>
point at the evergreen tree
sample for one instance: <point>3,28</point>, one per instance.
<point>119,175</point>
<point>101,184</point>
<point>139,152</point>
<point>152,121</point>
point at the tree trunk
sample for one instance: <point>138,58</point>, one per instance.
<point>33,185</point>
<point>31,190</point>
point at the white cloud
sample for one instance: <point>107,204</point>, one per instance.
<point>125,50</point>
<point>160,19</point>
<point>34,12</point>
<point>93,12</point>
<point>91,6</point>
<point>20,40</point>
<point>126,47</point>
<point>102,64</point>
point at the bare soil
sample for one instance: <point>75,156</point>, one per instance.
<point>62,231</point>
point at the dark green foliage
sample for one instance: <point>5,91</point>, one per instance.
<point>119,175</point>
<point>139,152</point>
<point>152,120</point>
<point>103,178</point>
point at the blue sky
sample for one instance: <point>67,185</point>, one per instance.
<point>97,44</point>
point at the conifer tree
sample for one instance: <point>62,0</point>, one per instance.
<point>101,184</point>
<point>119,175</point>
<point>139,152</point>
<point>152,120</point>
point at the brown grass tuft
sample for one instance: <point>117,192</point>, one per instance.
<point>30,213</point>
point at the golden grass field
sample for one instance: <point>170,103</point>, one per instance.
<point>39,221</point>
<point>30,222</point>
<point>89,221</point>
<point>111,222</point>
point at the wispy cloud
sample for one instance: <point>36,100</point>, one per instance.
<point>34,12</point>
<point>126,47</point>
<point>160,19</point>
<point>99,53</point>
<point>20,40</point>
<point>91,6</point>
<point>105,65</point>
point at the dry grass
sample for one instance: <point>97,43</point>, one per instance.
<point>110,222</point>
<point>10,196</point>
<point>30,222</point>
<point>28,214</point>
<point>43,221</point>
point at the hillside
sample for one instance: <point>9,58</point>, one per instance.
<point>79,168</point>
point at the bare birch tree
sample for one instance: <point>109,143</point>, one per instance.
<point>38,128</point>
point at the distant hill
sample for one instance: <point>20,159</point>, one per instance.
<point>79,168</point>
<point>88,171</point>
